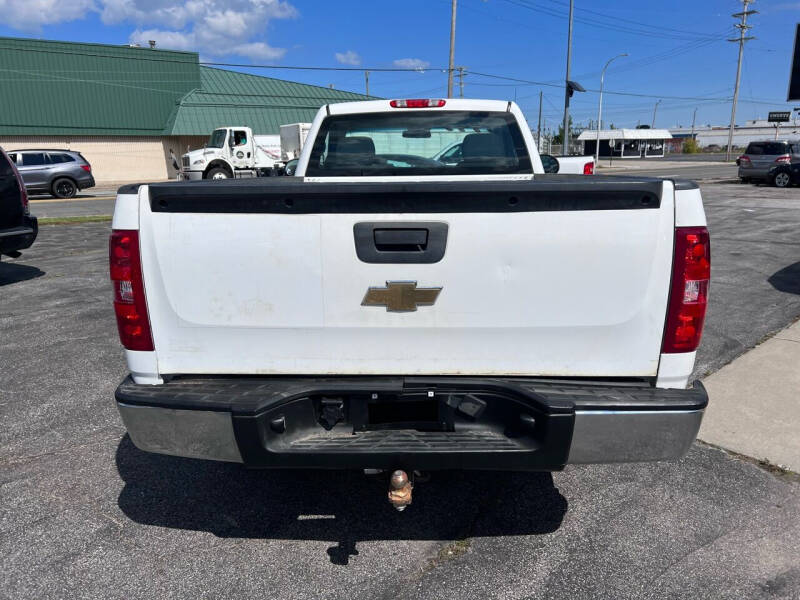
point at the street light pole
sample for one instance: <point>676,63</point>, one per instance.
<point>655,108</point>
<point>600,108</point>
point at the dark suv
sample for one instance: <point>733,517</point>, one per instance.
<point>58,172</point>
<point>18,228</point>
<point>760,157</point>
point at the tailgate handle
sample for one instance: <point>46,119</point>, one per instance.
<point>400,242</point>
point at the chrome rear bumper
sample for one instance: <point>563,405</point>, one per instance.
<point>632,436</point>
<point>525,425</point>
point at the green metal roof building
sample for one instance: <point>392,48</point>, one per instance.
<point>126,108</point>
<point>261,103</point>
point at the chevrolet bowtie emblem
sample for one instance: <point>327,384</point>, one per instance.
<point>400,296</point>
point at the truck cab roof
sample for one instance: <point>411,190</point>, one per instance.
<point>371,106</point>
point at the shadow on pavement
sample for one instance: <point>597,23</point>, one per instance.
<point>344,507</point>
<point>787,279</point>
<point>15,272</point>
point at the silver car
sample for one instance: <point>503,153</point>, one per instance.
<point>58,172</point>
<point>760,157</point>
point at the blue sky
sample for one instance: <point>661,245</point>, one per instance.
<point>676,49</point>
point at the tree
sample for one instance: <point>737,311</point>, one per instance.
<point>690,146</point>
<point>559,137</point>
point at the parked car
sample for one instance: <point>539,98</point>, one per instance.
<point>404,316</point>
<point>18,228</point>
<point>760,157</point>
<point>784,175</point>
<point>58,172</point>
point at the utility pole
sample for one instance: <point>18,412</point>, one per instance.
<point>655,108</point>
<point>565,137</point>
<point>742,26</point>
<point>452,49</point>
<point>461,81</point>
<point>366,80</point>
<point>694,116</point>
<point>539,126</point>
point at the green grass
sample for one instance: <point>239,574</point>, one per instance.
<point>73,220</point>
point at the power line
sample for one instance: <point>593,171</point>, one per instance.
<point>646,61</point>
<point>655,32</point>
<point>145,54</point>
<point>556,85</point>
<point>604,16</point>
<point>148,55</point>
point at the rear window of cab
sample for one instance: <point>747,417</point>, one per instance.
<point>419,143</point>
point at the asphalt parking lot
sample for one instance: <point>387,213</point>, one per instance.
<point>84,514</point>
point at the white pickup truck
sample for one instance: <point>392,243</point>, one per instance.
<point>568,165</point>
<point>385,311</point>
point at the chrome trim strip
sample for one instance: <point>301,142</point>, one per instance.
<point>190,433</point>
<point>632,436</point>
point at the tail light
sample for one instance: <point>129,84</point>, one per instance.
<point>691,271</point>
<point>87,168</point>
<point>23,195</point>
<point>743,159</point>
<point>588,168</point>
<point>130,304</point>
<point>784,159</point>
<point>418,103</point>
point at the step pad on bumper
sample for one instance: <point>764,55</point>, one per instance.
<point>408,441</point>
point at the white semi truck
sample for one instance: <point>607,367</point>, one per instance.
<point>233,152</point>
<point>293,137</point>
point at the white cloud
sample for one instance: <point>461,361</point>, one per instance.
<point>228,22</point>
<point>411,63</point>
<point>348,58</point>
<point>30,15</point>
<point>173,40</point>
<point>146,12</point>
<point>259,51</point>
<point>213,27</point>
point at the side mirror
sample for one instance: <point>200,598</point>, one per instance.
<point>550,163</point>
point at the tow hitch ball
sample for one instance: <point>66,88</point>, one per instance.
<point>400,487</point>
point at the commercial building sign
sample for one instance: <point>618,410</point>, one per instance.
<point>779,116</point>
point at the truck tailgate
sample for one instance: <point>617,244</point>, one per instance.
<point>559,276</point>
